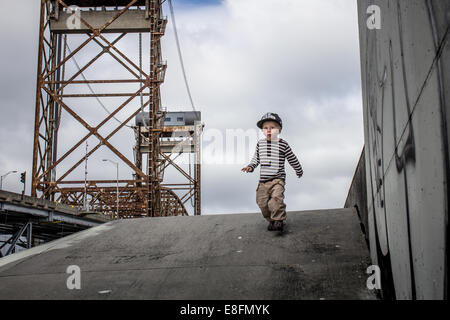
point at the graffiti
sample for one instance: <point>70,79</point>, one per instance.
<point>397,167</point>
<point>376,164</point>
<point>402,157</point>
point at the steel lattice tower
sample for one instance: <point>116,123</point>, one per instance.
<point>141,195</point>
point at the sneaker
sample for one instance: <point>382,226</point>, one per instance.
<point>270,227</point>
<point>278,225</point>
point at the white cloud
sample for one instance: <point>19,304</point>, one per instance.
<point>298,58</point>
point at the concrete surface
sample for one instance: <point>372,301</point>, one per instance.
<point>357,194</point>
<point>405,69</point>
<point>322,254</point>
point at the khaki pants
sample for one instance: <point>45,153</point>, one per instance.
<point>269,197</point>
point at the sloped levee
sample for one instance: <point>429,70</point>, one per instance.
<point>321,255</point>
<point>405,64</point>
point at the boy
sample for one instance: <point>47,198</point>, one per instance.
<point>271,153</point>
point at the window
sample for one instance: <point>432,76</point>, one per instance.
<point>179,119</point>
<point>168,119</point>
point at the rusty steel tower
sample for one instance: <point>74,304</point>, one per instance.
<point>181,135</point>
<point>103,24</point>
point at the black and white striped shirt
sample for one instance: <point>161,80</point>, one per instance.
<point>272,155</point>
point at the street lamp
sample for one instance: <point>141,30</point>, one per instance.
<point>4,176</point>
<point>117,191</point>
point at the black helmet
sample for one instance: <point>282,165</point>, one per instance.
<point>270,117</point>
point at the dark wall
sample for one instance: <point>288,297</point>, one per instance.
<point>406,107</point>
<point>357,195</point>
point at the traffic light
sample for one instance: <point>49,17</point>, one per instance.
<point>22,177</point>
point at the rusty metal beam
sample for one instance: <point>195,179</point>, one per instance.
<point>142,195</point>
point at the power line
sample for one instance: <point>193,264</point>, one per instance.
<point>92,90</point>
<point>180,56</point>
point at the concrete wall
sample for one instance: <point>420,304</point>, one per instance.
<point>357,195</point>
<point>405,69</point>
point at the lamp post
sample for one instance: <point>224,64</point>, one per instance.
<point>4,176</point>
<point>117,191</point>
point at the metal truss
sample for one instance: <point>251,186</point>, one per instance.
<point>140,196</point>
<point>41,219</point>
<point>15,239</point>
<point>187,140</point>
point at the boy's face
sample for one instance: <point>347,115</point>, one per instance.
<point>271,130</point>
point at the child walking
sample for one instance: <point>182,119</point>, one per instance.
<point>271,154</point>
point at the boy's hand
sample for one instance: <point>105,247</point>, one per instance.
<point>247,169</point>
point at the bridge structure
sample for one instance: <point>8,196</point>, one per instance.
<point>180,136</point>
<point>26,221</point>
<point>395,218</point>
<point>70,32</point>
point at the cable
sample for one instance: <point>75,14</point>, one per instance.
<point>92,91</point>
<point>180,55</point>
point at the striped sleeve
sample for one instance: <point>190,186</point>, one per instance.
<point>293,161</point>
<point>255,161</point>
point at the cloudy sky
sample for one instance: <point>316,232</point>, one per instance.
<point>298,58</point>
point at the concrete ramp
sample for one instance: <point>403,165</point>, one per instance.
<point>321,255</point>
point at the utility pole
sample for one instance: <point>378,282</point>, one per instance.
<point>85,207</point>
<point>117,188</point>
